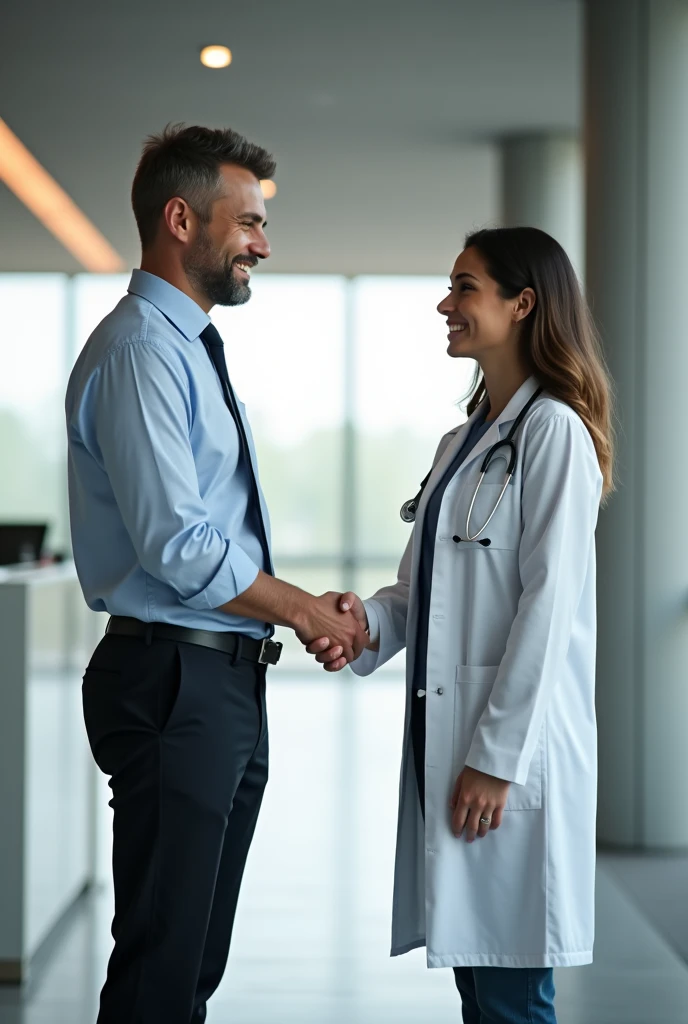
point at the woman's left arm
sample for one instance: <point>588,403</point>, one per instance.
<point>560,501</point>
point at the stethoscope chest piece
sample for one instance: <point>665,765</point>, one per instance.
<point>408,510</point>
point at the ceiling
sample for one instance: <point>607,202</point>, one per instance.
<point>383,114</point>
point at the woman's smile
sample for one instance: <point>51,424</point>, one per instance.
<point>456,329</point>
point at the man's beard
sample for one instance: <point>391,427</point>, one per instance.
<point>212,274</point>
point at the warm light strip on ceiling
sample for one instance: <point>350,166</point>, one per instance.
<point>32,184</point>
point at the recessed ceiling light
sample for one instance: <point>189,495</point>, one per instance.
<point>268,188</point>
<point>216,56</point>
<point>41,194</point>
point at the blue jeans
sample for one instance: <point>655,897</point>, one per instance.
<point>506,995</point>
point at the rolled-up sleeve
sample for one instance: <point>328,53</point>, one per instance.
<point>135,418</point>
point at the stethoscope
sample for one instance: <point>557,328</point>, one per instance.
<point>409,508</point>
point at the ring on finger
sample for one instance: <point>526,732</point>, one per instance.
<point>486,821</point>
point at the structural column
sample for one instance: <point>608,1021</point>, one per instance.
<point>637,282</point>
<point>542,186</point>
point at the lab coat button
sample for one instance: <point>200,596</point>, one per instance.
<point>439,690</point>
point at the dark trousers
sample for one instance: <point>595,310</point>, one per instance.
<point>182,732</point>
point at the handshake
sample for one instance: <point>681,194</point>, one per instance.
<point>334,628</point>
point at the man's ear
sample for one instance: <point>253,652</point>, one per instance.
<point>178,218</point>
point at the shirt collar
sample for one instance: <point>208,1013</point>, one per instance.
<point>181,310</point>
<point>513,408</point>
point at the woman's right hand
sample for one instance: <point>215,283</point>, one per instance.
<point>331,657</point>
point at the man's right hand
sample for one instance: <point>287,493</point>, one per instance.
<point>272,600</point>
<point>326,626</point>
<point>331,654</point>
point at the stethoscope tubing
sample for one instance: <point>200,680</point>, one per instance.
<point>482,529</point>
<point>409,508</point>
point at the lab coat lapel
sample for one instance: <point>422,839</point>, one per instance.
<point>498,431</point>
<point>501,426</point>
<point>441,466</point>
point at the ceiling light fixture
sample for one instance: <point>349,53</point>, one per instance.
<point>216,56</point>
<point>268,188</point>
<point>41,194</point>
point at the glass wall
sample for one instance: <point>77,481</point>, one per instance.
<point>405,398</point>
<point>34,359</point>
<point>347,385</point>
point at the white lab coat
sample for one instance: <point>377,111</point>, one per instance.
<point>510,691</point>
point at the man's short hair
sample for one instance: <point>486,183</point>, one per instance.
<point>185,161</point>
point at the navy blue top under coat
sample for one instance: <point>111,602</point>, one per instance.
<point>427,554</point>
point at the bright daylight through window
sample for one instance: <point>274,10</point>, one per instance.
<point>347,385</point>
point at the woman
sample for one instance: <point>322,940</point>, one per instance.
<point>497,613</point>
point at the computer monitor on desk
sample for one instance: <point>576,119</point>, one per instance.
<point>21,542</point>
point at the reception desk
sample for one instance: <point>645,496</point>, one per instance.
<point>47,778</point>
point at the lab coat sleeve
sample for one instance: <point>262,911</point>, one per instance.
<point>560,500</point>
<point>387,612</point>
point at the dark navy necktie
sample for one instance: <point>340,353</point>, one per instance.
<point>216,350</point>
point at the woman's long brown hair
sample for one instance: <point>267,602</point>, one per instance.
<point>559,337</point>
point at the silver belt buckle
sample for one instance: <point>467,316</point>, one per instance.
<point>270,651</point>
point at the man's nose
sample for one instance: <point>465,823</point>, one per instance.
<point>261,247</point>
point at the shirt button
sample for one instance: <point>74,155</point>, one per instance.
<point>439,690</point>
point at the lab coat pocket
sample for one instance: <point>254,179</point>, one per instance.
<point>471,695</point>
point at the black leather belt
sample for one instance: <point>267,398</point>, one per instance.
<point>264,652</point>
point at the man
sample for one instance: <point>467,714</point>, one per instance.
<point>171,537</point>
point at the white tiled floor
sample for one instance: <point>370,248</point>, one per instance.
<point>312,934</point>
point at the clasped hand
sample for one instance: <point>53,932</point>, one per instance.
<point>334,629</point>
<point>332,648</point>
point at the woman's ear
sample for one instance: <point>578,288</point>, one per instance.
<point>524,304</point>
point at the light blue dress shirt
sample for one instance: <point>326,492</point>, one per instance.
<point>158,495</point>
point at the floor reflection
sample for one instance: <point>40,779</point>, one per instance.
<point>312,933</point>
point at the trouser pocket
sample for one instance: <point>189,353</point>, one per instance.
<point>130,693</point>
